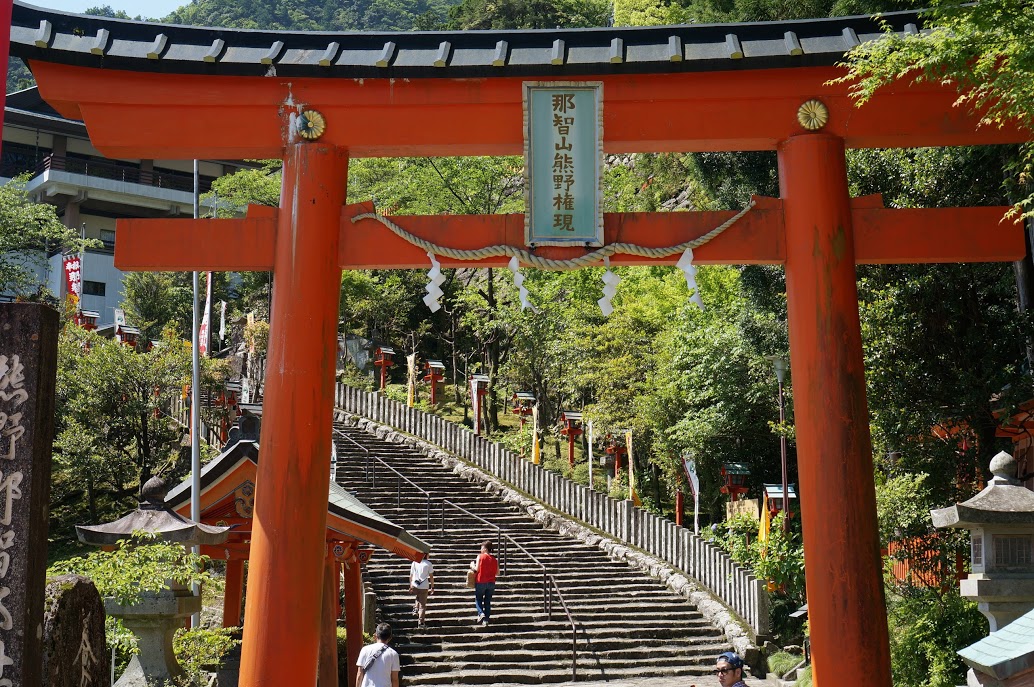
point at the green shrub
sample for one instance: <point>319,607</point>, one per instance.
<point>201,650</point>
<point>782,662</point>
<point>927,627</point>
<point>136,565</point>
<point>780,561</point>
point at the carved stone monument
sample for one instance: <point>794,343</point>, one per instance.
<point>74,648</point>
<point>28,369</point>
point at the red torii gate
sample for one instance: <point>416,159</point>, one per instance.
<point>149,91</point>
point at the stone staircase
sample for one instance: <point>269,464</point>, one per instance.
<point>628,625</point>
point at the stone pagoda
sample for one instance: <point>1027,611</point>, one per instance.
<point>155,619</point>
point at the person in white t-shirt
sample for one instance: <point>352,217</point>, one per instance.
<point>378,663</point>
<point>421,585</point>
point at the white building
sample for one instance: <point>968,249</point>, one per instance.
<point>90,191</point>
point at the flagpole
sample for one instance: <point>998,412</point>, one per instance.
<point>195,404</point>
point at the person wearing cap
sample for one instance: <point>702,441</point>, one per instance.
<point>729,668</point>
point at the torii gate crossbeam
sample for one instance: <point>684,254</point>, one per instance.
<point>151,90</point>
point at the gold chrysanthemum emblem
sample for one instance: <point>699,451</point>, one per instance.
<point>813,115</point>
<point>311,125</point>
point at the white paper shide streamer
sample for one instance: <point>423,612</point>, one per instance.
<point>685,264</point>
<point>610,288</point>
<point>434,285</point>
<point>518,280</point>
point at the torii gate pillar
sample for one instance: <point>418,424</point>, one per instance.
<point>842,552</point>
<point>285,580</point>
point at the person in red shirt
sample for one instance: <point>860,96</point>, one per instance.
<point>485,568</point>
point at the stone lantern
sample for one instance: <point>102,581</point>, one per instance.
<point>155,619</point>
<point>1001,523</point>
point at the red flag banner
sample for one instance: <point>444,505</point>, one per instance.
<point>73,266</point>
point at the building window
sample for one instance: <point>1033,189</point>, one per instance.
<point>93,288</point>
<point>977,546</point>
<point>1013,550</point>
<point>108,237</point>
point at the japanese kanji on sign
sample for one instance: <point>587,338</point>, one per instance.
<point>563,151</point>
<point>73,275</point>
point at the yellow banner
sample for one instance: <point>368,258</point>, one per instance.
<point>765,526</point>
<point>632,488</point>
<point>536,451</point>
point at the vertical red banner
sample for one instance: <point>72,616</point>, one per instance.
<point>6,7</point>
<point>73,268</point>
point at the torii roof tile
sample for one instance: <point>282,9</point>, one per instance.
<point>54,36</point>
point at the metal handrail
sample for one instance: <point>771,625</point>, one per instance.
<point>370,473</point>
<point>570,619</point>
<point>353,441</point>
<point>549,583</point>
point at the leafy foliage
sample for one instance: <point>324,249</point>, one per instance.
<point>198,650</point>
<point>28,233</point>
<point>779,560</point>
<point>982,48</point>
<point>927,628</point>
<point>308,15</point>
<point>113,429</point>
<point>142,563</point>
<point>528,14</point>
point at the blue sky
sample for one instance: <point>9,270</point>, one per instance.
<point>144,8</point>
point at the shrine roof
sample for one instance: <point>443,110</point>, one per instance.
<point>90,41</point>
<point>1005,653</point>
<point>344,509</point>
<point>27,108</point>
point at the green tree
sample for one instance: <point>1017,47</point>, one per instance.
<point>983,49</point>
<point>29,233</point>
<point>114,430</point>
<point>528,14</point>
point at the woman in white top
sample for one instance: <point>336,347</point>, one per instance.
<point>421,584</point>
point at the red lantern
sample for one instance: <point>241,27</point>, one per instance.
<point>382,359</point>
<point>571,422</point>
<point>734,479</point>
<point>434,372</point>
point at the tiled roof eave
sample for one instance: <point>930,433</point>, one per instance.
<point>51,36</point>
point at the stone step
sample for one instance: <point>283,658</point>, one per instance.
<point>629,625</point>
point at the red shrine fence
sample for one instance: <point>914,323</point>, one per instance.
<point>744,594</point>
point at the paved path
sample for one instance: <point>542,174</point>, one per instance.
<point>680,681</point>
